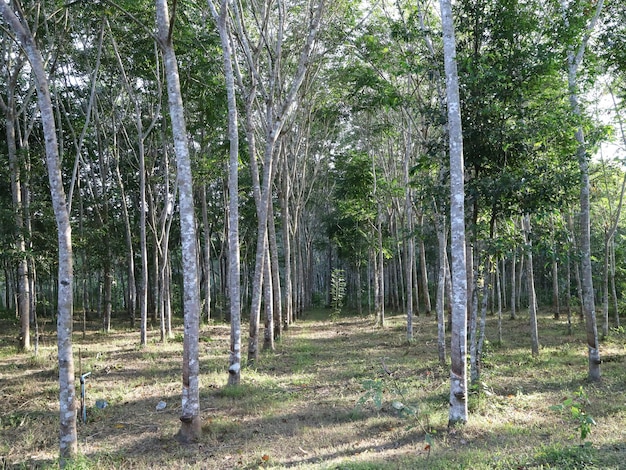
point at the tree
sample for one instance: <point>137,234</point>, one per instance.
<point>68,446</point>
<point>13,70</point>
<point>574,60</point>
<point>191,427</point>
<point>458,345</point>
<point>234,366</point>
<point>264,65</point>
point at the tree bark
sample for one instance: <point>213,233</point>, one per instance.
<point>458,345</point>
<point>574,60</point>
<point>191,428</point>
<point>234,269</point>
<point>23,284</point>
<point>532,300</point>
<point>68,447</point>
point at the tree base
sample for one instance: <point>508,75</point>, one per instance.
<point>190,430</point>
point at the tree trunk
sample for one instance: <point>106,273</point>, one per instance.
<point>442,238</point>
<point>234,277</point>
<point>499,296</point>
<point>568,295</point>
<point>574,60</point>
<point>605,286</point>
<point>424,271</point>
<point>23,286</point>
<point>268,297</point>
<point>130,252</point>
<point>191,428</point>
<point>206,260</point>
<point>380,278</point>
<point>409,244</point>
<point>286,222</point>
<point>67,411</point>
<point>458,345</point>
<point>556,304</point>
<point>473,324</point>
<point>532,301</point>
<point>277,309</point>
<point>613,287</point>
<point>579,284</point>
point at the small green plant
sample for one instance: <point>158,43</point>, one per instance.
<point>575,407</point>
<point>374,390</point>
<point>337,292</point>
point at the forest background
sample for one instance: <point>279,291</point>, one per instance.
<point>336,191</point>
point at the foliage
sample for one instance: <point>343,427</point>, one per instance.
<point>575,406</point>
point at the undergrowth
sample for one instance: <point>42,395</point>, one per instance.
<point>334,395</point>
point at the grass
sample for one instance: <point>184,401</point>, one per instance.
<point>321,401</point>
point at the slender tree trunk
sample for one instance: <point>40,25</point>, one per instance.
<point>532,301</point>
<point>473,324</point>
<point>520,275</point>
<point>143,238</point>
<point>424,271</point>
<point>234,268</point>
<point>502,271</point>
<point>458,345</point>
<point>130,252</point>
<point>442,238</point>
<point>268,294</point>
<point>499,297</point>
<point>479,328</point>
<point>568,294</point>
<point>107,278</point>
<point>613,288</point>
<point>605,286</point>
<point>556,304</point>
<point>409,244</point>
<point>190,413</point>
<point>575,60</point>
<point>579,284</point>
<point>277,309</point>
<point>167,301</point>
<point>380,266</point>
<point>67,411</point>
<point>23,286</point>
<point>286,222</point>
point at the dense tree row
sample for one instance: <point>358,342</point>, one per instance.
<point>264,145</point>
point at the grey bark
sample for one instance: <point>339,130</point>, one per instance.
<point>409,240</point>
<point>442,238</point>
<point>574,60</point>
<point>532,300</point>
<point>234,276</point>
<point>206,252</point>
<point>68,446</point>
<point>458,346</point>
<point>424,270</point>
<point>191,428</point>
<point>23,284</point>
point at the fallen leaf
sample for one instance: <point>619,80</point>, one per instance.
<point>265,457</point>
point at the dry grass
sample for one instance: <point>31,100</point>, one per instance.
<point>299,407</point>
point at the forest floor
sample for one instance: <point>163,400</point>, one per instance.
<point>322,400</point>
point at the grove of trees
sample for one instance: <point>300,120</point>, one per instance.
<point>226,160</point>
